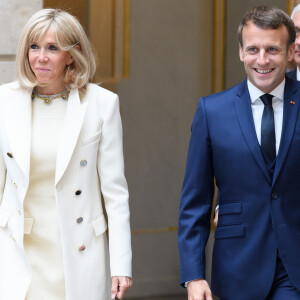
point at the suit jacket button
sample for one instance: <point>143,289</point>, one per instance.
<point>78,192</point>
<point>79,220</point>
<point>274,195</point>
<point>81,248</point>
<point>9,154</point>
<point>83,162</point>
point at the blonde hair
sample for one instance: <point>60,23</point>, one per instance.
<point>69,36</point>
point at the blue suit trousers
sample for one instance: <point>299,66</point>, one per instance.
<point>282,288</point>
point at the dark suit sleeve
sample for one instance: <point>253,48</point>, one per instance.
<point>196,200</point>
<point>292,74</point>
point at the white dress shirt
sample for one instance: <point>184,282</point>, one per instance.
<point>298,74</point>
<point>258,108</point>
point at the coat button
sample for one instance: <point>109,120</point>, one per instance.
<point>79,220</point>
<point>15,184</point>
<point>9,154</point>
<point>274,195</point>
<point>83,162</point>
<point>78,192</point>
<point>81,248</point>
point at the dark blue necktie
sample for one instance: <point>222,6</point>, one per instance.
<point>268,140</point>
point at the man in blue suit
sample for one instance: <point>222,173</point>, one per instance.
<point>295,16</point>
<point>248,139</point>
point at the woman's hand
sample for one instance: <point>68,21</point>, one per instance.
<point>119,286</point>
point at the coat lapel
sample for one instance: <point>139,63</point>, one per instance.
<point>70,132</point>
<point>290,113</point>
<point>18,127</point>
<point>242,104</point>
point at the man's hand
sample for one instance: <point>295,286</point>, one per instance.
<point>199,290</point>
<point>216,218</point>
<point>119,286</point>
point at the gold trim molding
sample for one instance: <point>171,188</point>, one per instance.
<point>7,57</point>
<point>109,28</point>
<point>290,4</point>
<point>107,23</point>
<point>126,46</point>
<point>219,45</point>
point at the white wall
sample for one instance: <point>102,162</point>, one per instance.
<point>13,15</point>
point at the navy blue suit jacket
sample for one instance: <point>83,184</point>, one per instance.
<point>258,215</point>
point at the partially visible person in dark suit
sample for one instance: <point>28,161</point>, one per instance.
<point>295,74</point>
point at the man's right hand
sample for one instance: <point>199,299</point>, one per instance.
<point>216,218</point>
<point>199,290</point>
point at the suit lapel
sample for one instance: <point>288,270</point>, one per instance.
<point>290,113</point>
<point>70,131</point>
<point>18,127</point>
<point>242,104</point>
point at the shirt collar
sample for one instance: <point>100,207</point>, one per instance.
<point>298,74</point>
<point>255,93</point>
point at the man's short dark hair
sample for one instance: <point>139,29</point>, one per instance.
<point>268,17</point>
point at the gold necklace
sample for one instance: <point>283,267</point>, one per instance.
<point>48,98</point>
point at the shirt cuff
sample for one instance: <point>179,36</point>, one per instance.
<point>186,283</point>
<point>216,209</point>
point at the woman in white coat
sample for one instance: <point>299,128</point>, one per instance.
<point>60,148</point>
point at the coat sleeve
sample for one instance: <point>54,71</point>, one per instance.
<point>2,174</point>
<point>115,191</point>
<point>196,200</point>
<point>2,166</point>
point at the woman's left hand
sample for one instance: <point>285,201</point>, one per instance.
<point>119,286</point>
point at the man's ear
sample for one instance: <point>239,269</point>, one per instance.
<point>241,52</point>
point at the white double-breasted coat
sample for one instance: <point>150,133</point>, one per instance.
<point>89,162</point>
